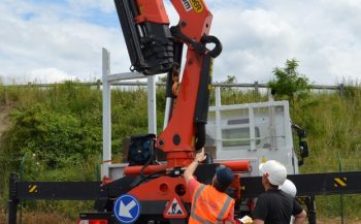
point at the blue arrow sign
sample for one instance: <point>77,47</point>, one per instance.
<point>126,209</point>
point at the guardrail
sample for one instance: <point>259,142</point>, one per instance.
<point>254,85</point>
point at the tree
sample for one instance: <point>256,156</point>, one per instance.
<point>289,82</point>
<point>231,79</point>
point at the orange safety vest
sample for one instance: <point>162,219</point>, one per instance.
<point>209,206</point>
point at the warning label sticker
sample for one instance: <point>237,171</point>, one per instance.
<point>175,210</point>
<point>197,6</point>
<point>187,5</point>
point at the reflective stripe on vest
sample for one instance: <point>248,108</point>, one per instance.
<point>196,196</point>
<point>224,208</point>
<point>220,215</point>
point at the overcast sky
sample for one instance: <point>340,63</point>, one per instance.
<point>52,40</point>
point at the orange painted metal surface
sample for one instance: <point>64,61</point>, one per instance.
<point>151,11</point>
<point>236,165</point>
<point>193,24</point>
<point>162,188</point>
<point>196,19</point>
<point>151,169</point>
<point>182,121</point>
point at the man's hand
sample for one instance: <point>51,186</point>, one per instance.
<point>301,217</point>
<point>188,173</point>
<point>200,156</point>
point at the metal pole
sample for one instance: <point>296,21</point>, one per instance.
<point>341,88</point>
<point>311,209</point>
<point>13,200</point>
<point>252,131</point>
<point>168,105</point>
<point>341,195</point>
<point>169,100</point>
<point>256,88</point>
<point>152,109</point>
<point>218,120</point>
<point>21,175</point>
<point>107,135</point>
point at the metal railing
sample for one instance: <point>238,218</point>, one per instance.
<point>254,85</point>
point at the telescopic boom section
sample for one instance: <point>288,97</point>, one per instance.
<point>154,48</point>
<point>146,32</point>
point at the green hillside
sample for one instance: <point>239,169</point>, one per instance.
<point>55,134</point>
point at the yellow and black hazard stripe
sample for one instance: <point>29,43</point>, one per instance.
<point>33,188</point>
<point>340,182</point>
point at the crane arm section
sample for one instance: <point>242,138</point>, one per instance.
<point>156,48</point>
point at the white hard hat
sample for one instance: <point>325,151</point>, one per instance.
<point>277,172</point>
<point>289,188</point>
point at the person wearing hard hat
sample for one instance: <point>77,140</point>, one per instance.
<point>210,203</point>
<point>289,188</point>
<point>273,206</point>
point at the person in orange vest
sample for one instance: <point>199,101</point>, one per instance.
<point>210,203</point>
